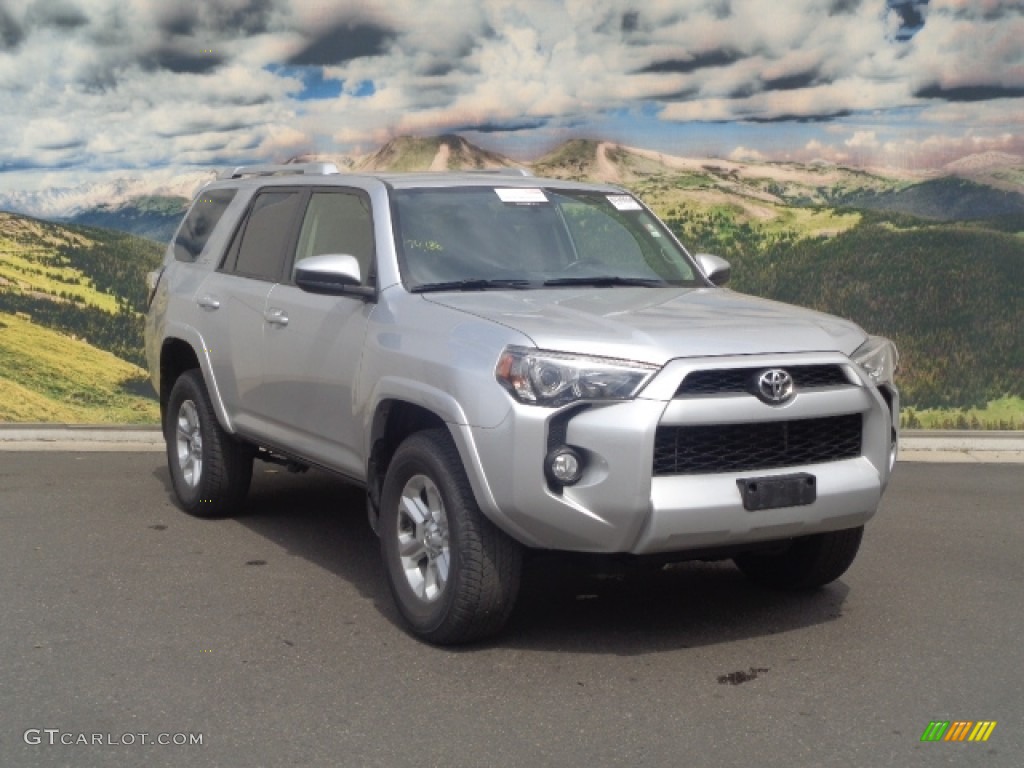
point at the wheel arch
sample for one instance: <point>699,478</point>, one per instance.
<point>394,420</point>
<point>177,355</point>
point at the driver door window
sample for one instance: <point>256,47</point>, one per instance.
<point>338,222</point>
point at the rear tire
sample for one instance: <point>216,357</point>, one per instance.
<point>453,574</point>
<point>808,562</point>
<point>210,469</point>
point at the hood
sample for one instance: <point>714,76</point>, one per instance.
<point>654,325</point>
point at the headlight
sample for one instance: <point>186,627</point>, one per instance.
<point>878,358</point>
<point>554,379</point>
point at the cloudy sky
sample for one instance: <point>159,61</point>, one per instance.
<point>97,88</point>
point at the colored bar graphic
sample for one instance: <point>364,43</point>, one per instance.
<point>958,730</point>
<point>982,730</point>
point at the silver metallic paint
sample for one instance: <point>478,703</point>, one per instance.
<point>339,358</point>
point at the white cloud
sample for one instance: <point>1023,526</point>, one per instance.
<point>969,44</point>
<point>147,83</point>
<point>744,154</point>
<point>862,140</point>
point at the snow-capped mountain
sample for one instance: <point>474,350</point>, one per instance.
<point>62,203</point>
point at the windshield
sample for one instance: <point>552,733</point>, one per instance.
<point>478,238</point>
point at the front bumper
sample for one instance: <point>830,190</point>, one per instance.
<point>620,505</point>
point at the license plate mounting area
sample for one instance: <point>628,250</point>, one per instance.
<point>794,490</point>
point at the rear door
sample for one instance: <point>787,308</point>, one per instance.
<point>235,301</point>
<point>313,343</point>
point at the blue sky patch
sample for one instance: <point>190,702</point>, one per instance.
<point>314,84</point>
<point>364,89</point>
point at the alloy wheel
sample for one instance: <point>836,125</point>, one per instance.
<point>423,546</point>
<point>189,444</point>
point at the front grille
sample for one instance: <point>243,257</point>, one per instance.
<point>707,449</point>
<point>739,380</point>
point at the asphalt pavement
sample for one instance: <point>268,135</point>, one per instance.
<point>271,638</point>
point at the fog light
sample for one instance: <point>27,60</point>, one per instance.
<point>565,465</point>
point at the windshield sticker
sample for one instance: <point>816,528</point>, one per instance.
<point>624,203</point>
<point>522,196</point>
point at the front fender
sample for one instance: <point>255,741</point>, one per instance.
<point>449,410</point>
<point>435,400</point>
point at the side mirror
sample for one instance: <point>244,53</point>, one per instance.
<point>335,274</point>
<point>715,268</point>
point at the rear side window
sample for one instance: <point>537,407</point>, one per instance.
<point>200,222</point>
<point>268,234</point>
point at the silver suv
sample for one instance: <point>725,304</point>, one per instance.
<point>509,363</point>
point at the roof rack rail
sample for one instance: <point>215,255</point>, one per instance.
<point>288,169</point>
<point>506,171</point>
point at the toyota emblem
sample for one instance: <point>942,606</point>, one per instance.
<point>775,386</point>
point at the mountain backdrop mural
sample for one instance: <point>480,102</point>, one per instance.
<point>863,157</point>
<point>936,261</point>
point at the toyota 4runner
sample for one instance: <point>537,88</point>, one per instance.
<point>508,363</point>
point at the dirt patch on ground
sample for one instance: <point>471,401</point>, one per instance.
<point>604,169</point>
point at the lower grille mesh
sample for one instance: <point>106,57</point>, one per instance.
<point>708,449</point>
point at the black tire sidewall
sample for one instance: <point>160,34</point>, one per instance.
<point>185,389</point>
<point>227,463</point>
<point>809,563</point>
<point>413,458</point>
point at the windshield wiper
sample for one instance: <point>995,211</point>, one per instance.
<point>472,284</point>
<point>601,281</point>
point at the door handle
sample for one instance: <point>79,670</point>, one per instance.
<point>276,317</point>
<point>208,302</point>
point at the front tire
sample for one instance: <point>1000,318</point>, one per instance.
<point>807,563</point>
<point>210,469</point>
<point>453,574</point>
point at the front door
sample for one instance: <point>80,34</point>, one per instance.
<point>312,344</point>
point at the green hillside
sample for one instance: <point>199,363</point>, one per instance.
<point>85,282</point>
<point>154,217</point>
<point>949,294</point>
<point>71,302</point>
<point>447,152</point>
<point>950,297</point>
<point>46,376</point>
<point>755,190</point>
<point>946,199</point>
<point>575,159</point>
